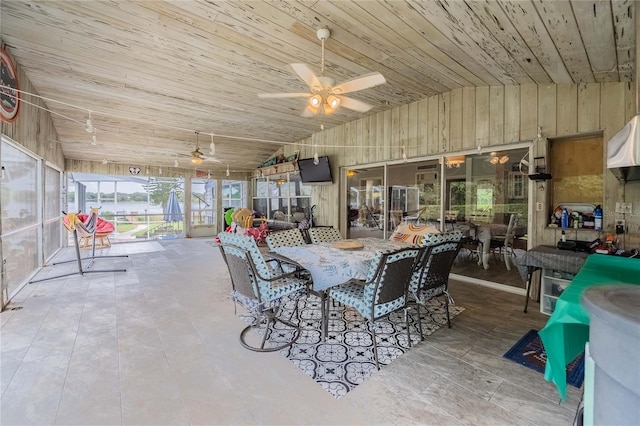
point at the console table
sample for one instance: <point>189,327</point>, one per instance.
<point>548,257</point>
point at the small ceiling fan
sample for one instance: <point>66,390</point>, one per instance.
<point>197,157</point>
<point>324,95</point>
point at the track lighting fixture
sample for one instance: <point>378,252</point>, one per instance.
<point>89,125</point>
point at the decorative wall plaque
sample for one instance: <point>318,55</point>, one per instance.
<point>9,95</point>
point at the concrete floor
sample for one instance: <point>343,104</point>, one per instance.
<point>158,344</point>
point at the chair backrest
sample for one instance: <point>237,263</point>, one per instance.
<point>249,247</point>
<point>387,290</point>
<point>448,242</point>
<point>324,235</point>
<point>511,228</point>
<point>242,278</point>
<point>286,238</point>
<point>432,272</point>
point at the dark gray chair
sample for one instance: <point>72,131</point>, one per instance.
<point>262,291</point>
<point>384,291</point>
<point>431,276</point>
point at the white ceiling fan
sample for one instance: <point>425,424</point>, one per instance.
<point>324,95</point>
<point>197,157</point>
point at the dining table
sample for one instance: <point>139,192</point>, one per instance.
<point>330,265</point>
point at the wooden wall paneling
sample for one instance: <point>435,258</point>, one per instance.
<point>511,113</point>
<point>368,137</point>
<point>567,109</point>
<point>412,131</point>
<point>612,119</point>
<point>433,137</point>
<point>360,139</point>
<point>496,115</point>
<point>547,108</point>
<point>423,126</point>
<point>348,152</point>
<point>455,121</point>
<point>529,112</point>
<point>482,116</point>
<point>588,107</point>
<point>630,100</point>
<point>468,117</point>
<point>403,123</point>
<point>378,153</point>
<point>386,142</point>
<point>444,104</point>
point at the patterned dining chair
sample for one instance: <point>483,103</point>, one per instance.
<point>502,245</point>
<point>286,238</point>
<point>384,291</point>
<point>430,279</point>
<point>324,234</point>
<point>262,291</point>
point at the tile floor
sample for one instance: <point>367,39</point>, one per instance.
<point>158,345</point>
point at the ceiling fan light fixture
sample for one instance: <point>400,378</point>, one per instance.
<point>504,159</point>
<point>333,101</point>
<point>315,101</point>
<point>196,160</point>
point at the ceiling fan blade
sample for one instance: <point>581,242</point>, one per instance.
<point>359,83</point>
<point>307,75</point>
<point>354,104</point>
<point>307,113</point>
<point>283,95</point>
<point>212,160</point>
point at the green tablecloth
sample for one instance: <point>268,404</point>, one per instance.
<point>567,331</point>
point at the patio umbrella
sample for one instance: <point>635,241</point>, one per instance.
<point>172,212</point>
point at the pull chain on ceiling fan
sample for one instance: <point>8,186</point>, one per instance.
<point>324,95</point>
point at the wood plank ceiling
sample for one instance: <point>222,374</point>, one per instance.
<point>154,72</point>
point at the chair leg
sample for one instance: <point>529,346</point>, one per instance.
<point>375,344</point>
<point>419,321</point>
<point>446,306</point>
<point>406,320</point>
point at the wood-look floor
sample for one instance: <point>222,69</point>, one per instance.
<point>158,344</point>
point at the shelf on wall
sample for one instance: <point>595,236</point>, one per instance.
<point>277,169</point>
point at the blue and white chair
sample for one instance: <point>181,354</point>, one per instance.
<point>262,291</point>
<point>384,291</point>
<point>430,278</point>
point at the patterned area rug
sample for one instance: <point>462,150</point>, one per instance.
<point>346,358</point>
<point>529,351</point>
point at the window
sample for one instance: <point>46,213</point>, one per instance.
<point>576,168</point>
<point>282,198</point>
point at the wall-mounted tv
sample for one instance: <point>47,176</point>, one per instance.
<point>315,174</point>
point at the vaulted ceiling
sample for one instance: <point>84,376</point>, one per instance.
<point>155,72</point>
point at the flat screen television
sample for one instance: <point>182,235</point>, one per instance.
<point>315,174</point>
